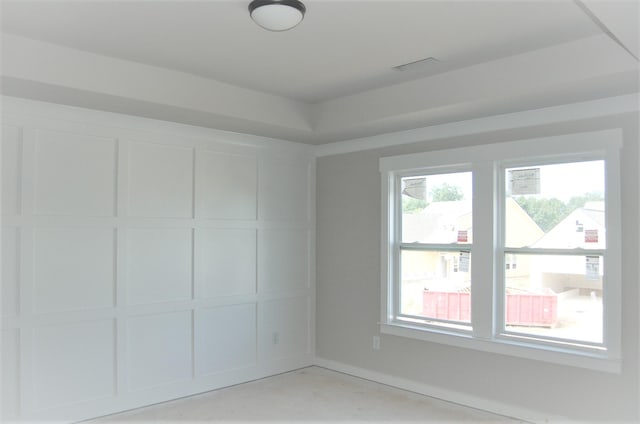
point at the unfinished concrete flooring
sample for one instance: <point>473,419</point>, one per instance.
<point>309,394</point>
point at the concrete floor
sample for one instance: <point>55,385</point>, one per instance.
<point>309,394</point>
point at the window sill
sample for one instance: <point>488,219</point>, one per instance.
<point>598,361</point>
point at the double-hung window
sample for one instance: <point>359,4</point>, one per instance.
<point>435,244</point>
<point>511,247</point>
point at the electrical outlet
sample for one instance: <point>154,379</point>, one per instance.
<point>376,342</point>
<point>275,338</point>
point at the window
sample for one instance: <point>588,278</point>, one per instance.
<point>435,248</point>
<point>510,262</point>
<point>503,248</point>
<point>557,291</point>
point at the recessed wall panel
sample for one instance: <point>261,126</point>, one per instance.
<point>9,271</point>
<point>74,174</point>
<point>73,269</point>
<point>159,349</point>
<point>160,181</point>
<point>159,265</point>
<point>226,262</point>
<point>283,257</point>
<point>132,259</point>
<point>284,328</point>
<point>226,186</point>
<point>284,189</point>
<point>73,363</point>
<point>11,159</point>
<point>225,338</point>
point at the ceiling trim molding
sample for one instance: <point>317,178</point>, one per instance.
<point>29,112</point>
<point>51,73</point>
<point>31,66</point>
<point>597,17</point>
<point>549,115</point>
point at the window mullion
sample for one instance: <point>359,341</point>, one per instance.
<point>483,270</point>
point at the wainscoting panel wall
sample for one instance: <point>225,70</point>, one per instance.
<point>144,261</point>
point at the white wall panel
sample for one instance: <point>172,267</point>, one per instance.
<point>226,262</point>
<point>159,349</point>
<point>160,181</point>
<point>283,189</point>
<point>73,363</point>
<point>9,271</point>
<point>283,259</point>
<point>132,253</point>
<point>10,383</point>
<point>221,346</point>
<point>159,265</point>
<point>73,269</point>
<point>279,335</point>
<point>11,161</point>
<point>226,186</point>
<point>74,174</point>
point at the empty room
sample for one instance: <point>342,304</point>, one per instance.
<point>320,210</point>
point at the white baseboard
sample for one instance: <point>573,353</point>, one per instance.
<point>476,402</point>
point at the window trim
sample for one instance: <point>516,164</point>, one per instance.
<point>486,161</point>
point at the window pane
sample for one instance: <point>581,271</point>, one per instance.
<point>557,206</point>
<point>436,284</point>
<point>437,208</point>
<point>555,296</point>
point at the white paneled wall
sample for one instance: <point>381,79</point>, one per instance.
<point>144,261</point>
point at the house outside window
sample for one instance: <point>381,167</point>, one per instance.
<point>481,248</point>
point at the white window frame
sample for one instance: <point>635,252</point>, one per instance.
<point>487,162</point>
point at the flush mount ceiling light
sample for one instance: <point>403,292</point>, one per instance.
<point>277,15</point>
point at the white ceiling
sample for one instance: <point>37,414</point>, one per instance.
<point>340,48</point>
<point>337,59</point>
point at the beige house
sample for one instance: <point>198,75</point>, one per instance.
<point>443,223</point>
<point>449,223</point>
<point>584,228</point>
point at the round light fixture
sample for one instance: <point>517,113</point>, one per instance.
<point>277,15</point>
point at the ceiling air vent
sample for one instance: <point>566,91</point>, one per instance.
<point>416,65</point>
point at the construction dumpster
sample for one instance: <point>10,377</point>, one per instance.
<point>533,307</point>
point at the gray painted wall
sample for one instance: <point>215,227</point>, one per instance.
<point>348,292</point>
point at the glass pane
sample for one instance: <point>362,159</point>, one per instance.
<point>555,296</point>
<point>437,208</point>
<point>436,284</point>
<point>557,206</point>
